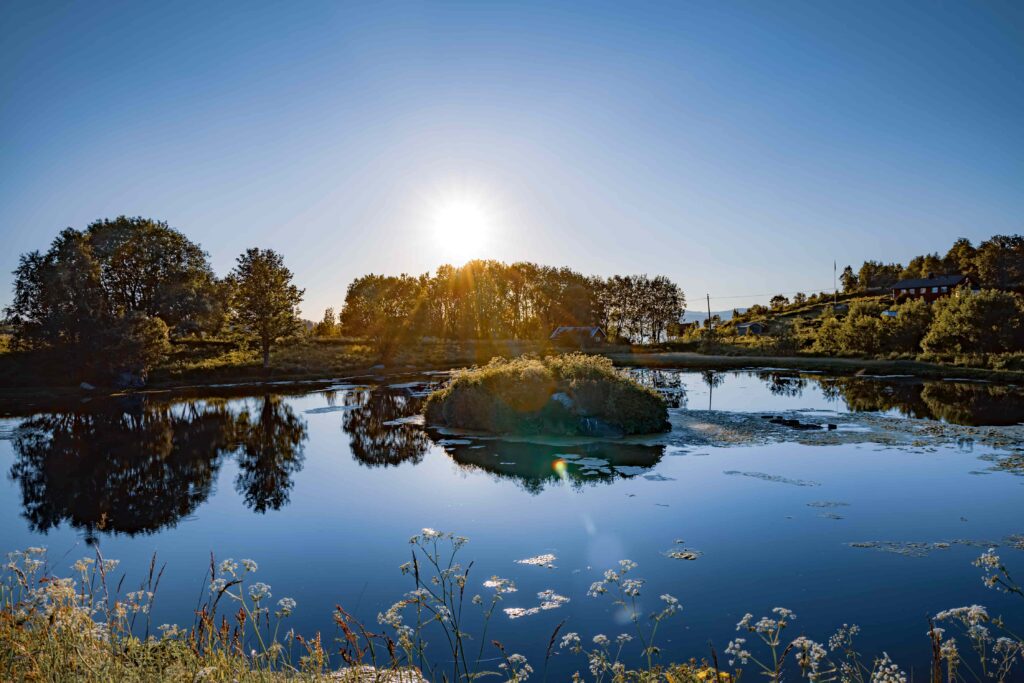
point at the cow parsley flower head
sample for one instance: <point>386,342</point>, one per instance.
<point>886,671</point>
<point>571,641</point>
<point>738,651</point>
<point>285,606</point>
<point>259,591</point>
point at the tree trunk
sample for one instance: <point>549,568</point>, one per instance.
<point>266,353</point>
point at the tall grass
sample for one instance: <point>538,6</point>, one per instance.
<point>562,394</point>
<point>84,627</point>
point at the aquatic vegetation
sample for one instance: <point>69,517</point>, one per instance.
<point>681,553</point>
<point>923,548</point>
<point>549,600</point>
<point>573,394</point>
<point>546,560</point>
<point>773,477</point>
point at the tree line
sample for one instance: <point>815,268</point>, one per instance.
<point>108,300</point>
<point>494,300</point>
<point>987,322</point>
<point>109,297</point>
<point>996,263</point>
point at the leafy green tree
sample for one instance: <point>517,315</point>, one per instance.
<point>383,309</point>
<point>799,299</point>
<point>778,302</point>
<point>988,321</point>
<point>849,280</point>
<point>117,277</point>
<point>923,266</point>
<point>905,332</point>
<point>132,345</point>
<point>874,275</point>
<point>327,327</point>
<point>264,302</point>
<point>145,266</point>
<point>828,339</point>
<point>960,259</point>
<point>1000,261</point>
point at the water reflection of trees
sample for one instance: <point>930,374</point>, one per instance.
<point>669,383</point>
<point>269,440</point>
<point>955,402</point>
<point>377,436</point>
<point>536,466</point>
<point>137,466</point>
<point>784,384</point>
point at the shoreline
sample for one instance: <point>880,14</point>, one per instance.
<point>837,366</point>
<point>20,400</point>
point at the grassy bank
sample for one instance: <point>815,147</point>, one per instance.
<point>33,378</point>
<point>37,378</point>
<point>82,628</point>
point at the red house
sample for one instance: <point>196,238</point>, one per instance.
<point>928,288</point>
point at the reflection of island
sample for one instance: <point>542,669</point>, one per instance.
<point>379,433</point>
<point>137,466</point>
<point>534,466</point>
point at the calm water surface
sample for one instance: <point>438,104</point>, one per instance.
<point>324,488</point>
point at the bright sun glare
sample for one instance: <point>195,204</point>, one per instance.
<point>461,227</point>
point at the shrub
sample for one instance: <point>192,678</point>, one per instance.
<point>572,394</point>
<point>989,321</point>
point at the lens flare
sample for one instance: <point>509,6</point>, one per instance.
<point>560,467</point>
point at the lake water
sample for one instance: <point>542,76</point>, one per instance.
<point>323,485</point>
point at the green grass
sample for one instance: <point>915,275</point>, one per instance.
<point>521,396</point>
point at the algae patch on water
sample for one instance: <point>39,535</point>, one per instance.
<point>568,395</point>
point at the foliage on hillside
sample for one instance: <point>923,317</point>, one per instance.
<point>572,394</point>
<point>997,262</point>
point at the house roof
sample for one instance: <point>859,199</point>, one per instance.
<point>934,281</point>
<point>589,331</point>
<point>755,323</point>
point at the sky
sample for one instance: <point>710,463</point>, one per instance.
<point>737,147</point>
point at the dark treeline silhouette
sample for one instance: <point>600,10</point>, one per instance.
<point>107,299</point>
<point>493,300</point>
<point>998,262</point>
<point>135,467</point>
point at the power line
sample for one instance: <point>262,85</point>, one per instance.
<point>796,291</point>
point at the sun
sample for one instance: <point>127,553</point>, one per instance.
<point>460,227</point>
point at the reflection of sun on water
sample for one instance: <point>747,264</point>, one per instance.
<point>460,227</point>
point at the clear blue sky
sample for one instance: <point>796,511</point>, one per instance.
<point>737,147</point>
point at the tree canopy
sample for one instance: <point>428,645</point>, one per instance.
<point>494,300</point>
<point>264,302</point>
<point>130,278</point>
<point>998,262</point>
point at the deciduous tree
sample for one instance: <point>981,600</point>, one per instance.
<point>264,302</point>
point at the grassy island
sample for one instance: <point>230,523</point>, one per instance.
<point>568,395</point>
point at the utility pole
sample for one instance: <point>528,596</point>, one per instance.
<point>835,289</point>
<point>709,311</point>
